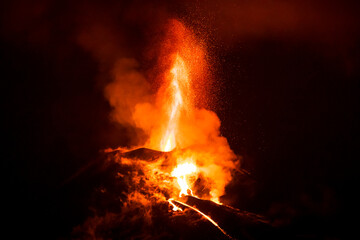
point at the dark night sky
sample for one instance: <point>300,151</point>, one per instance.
<point>287,98</point>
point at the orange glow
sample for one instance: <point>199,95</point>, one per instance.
<point>171,201</point>
<point>199,161</point>
<point>180,172</point>
<point>175,208</point>
<point>178,86</point>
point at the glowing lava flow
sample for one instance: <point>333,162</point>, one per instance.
<point>175,208</point>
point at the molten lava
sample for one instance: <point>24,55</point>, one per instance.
<point>178,104</point>
<point>180,172</point>
<point>176,208</point>
<point>196,160</point>
<point>177,87</point>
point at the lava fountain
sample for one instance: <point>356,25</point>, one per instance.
<point>178,86</point>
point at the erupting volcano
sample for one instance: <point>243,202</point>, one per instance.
<point>176,123</point>
<point>184,162</point>
<point>153,119</point>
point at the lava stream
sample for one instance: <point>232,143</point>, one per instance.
<point>175,208</point>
